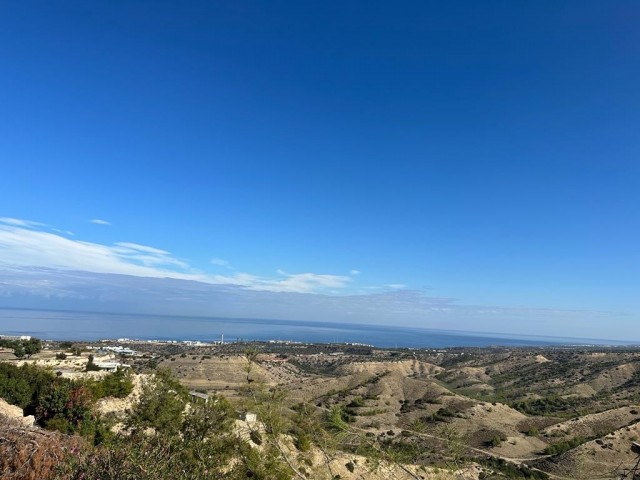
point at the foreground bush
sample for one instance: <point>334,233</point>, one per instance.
<point>28,454</point>
<point>59,403</point>
<point>168,438</point>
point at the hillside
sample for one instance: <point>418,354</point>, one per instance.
<point>501,413</point>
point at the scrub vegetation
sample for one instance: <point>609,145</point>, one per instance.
<point>319,412</point>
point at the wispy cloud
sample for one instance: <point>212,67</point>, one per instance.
<point>302,282</point>
<point>66,232</point>
<point>29,244</point>
<point>30,247</point>
<point>219,262</point>
<point>128,247</point>
<point>18,222</point>
<point>99,221</point>
<point>354,272</point>
<point>148,256</point>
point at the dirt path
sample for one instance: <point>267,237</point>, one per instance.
<point>514,461</point>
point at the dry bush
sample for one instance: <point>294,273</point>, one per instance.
<point>32,453</point>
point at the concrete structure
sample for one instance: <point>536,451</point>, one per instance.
<point>111,366</point>
<point>198,396</point>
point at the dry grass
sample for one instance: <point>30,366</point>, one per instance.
<point>30,453</point>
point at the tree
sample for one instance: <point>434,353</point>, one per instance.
<point>161,404</point>
<point>23,348</point>
<point>18,351</point>
<point>23,385</point>
<point>251,354</point>
<point>32,346</point>
<point>65,407</point>
<point>454,444</point>
<point>216,416</point>
<point>118,384</point>
<point>91,367</point>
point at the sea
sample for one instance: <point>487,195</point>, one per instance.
<point>67,325</point>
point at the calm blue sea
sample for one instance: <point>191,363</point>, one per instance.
<point>59,325</point>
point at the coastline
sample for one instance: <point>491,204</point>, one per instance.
<point>93,326</point>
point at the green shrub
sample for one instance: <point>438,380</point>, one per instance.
<point>161,404</point>
<point>118,384</point>
<point>512,471</point>
<point>558,448</point>
<point>22,386</point>
<point>547,406</point>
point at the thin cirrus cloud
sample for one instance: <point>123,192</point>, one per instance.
<point>18,222</point>
<point>99,221</point>
<point>220,262</point>
<point>32,244</point>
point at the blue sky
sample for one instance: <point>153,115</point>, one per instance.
<point>482,152</point>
